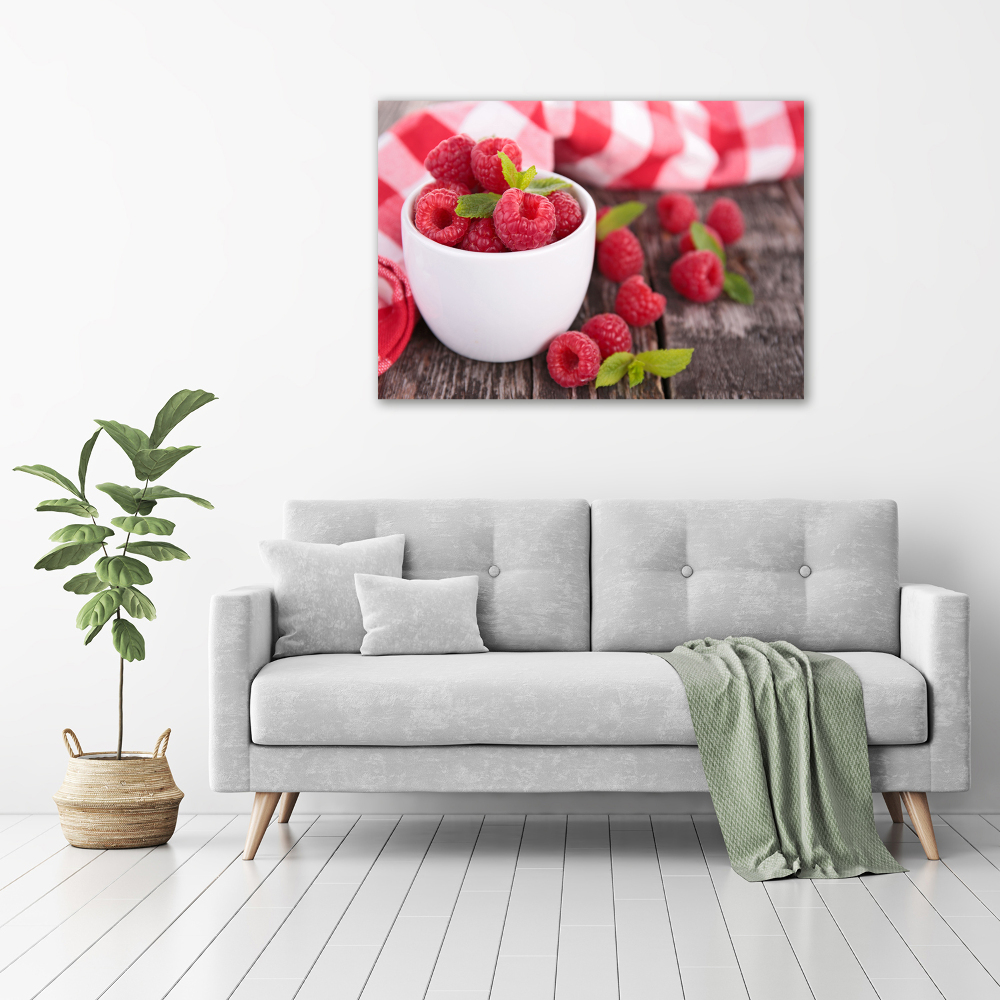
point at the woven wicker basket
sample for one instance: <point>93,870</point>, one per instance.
<point>108,803</point>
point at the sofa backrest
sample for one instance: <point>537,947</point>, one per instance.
<point>538,597</point>
<point>822,575</point>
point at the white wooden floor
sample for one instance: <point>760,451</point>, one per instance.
<point>501,907</point>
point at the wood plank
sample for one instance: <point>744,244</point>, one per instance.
<point>44,877</point>
<point>41,843</point>
<point>7,820</point>
<point>18,834</point>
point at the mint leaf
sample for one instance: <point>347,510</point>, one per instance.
<point>514,177</point>
<point>704,240</point>
<point>636,372</point>
<point>546,185</point>
<point>619,216</point>
<point>737,288</point>
<point>613,368</point>
<point>477,206</point>
<point>666,363</point>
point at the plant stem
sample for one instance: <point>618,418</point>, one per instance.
<point>121,688</point>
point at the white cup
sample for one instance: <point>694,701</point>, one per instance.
<point>500,306</point>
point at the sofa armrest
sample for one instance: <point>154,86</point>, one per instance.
<point>934,638</point>
<point>240,643</point>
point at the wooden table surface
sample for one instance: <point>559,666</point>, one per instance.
<point>740,352</point>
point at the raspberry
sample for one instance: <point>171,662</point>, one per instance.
<point>637,303</point>
<point>482,238</point>
<point>486,166</point>
<point>573,359</point>
<point>726,217</point>
<point>449,162</point>
<point>569,215</point>
<point>676,212</point>
<point>687,244</point>
<point>697,275</point>
<point>524,221</point>
<point>459,189</point>
<point>619,254</point>
<point>435,217</point>
<point>609,332</point>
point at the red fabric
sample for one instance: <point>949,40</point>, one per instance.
<point>397,314</point>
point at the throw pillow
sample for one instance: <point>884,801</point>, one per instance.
<point>419,616</point>
<point>318,610</point>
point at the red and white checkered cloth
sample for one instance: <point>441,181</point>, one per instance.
<point>659,145</point>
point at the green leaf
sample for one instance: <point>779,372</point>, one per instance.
<point>51,475</point>
<point>155,493</point>
<point>93,632</point>
<point>160,551</point>
<point>81,533</point>
<point>137,604</point>
<point>619,216</point>
<point>546,185</point>
<point>127,497</point>
<point>67,555</point>
<point>704,240</point>
<point>737,288</point>
<point>180,405</point>
<point>85,460</point>
<point>613,368</point>
<point>477,206</point>
<point>151,463</point>
<point>128,640</point>
<point>64,505</point>
<point>122,571</point>
<point>514,177</point>
<point>130,439</point>
<point>99,608</point>
<point>636,372</point>
<point>663,363</point>
<point>144,525</point>
<point>84,583</point>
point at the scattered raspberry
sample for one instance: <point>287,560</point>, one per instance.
<point>619,254</point>
<point>435,217</point>
<point>449,160</point>
<point>638,304</point>
<point>482,238</point>
<point>459,189</point>
<point>687,244</point>
<point>676,212</point>
<point>569,215</point>
<point>524,221</point>
<point>573,359</point>
<point>486,166</point>
<point>609,332</point>
<point>726,217</point>
<point>697,275</point>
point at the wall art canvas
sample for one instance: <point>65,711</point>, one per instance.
<point>591,249</point>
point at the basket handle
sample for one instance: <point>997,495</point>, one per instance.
<point>164,739</point>
<point>69,749</point>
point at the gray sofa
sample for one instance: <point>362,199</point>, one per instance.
<point>573,596</point>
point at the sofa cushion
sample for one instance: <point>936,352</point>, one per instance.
<point>821,575</point>
<point>532,557</point>
<point>555,698</point>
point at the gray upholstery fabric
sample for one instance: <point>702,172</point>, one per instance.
<point>418,616</point>
<point>934,633</point>
<point>555,699</point>
<point>318,610</point>
<point>747,558</point>
<point>539,599</point>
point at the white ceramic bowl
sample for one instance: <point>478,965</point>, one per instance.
<point>500,306</point>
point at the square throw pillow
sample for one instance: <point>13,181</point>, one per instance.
<point>318,610</point>
<point>419,616</point>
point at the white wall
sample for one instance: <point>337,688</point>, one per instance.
<point>187,198</point>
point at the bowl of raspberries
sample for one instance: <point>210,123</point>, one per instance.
<point>498,257</point>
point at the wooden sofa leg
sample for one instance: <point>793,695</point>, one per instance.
<point>920,816</point>
<point>287,804</point>
<point>894,806</point>
<point>263,810</point>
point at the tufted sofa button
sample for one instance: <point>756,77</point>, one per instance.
<point>494,571</point>
<point>804,571</point>
<point>686,571</point>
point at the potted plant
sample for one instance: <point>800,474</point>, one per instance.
<point>119,798</point>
